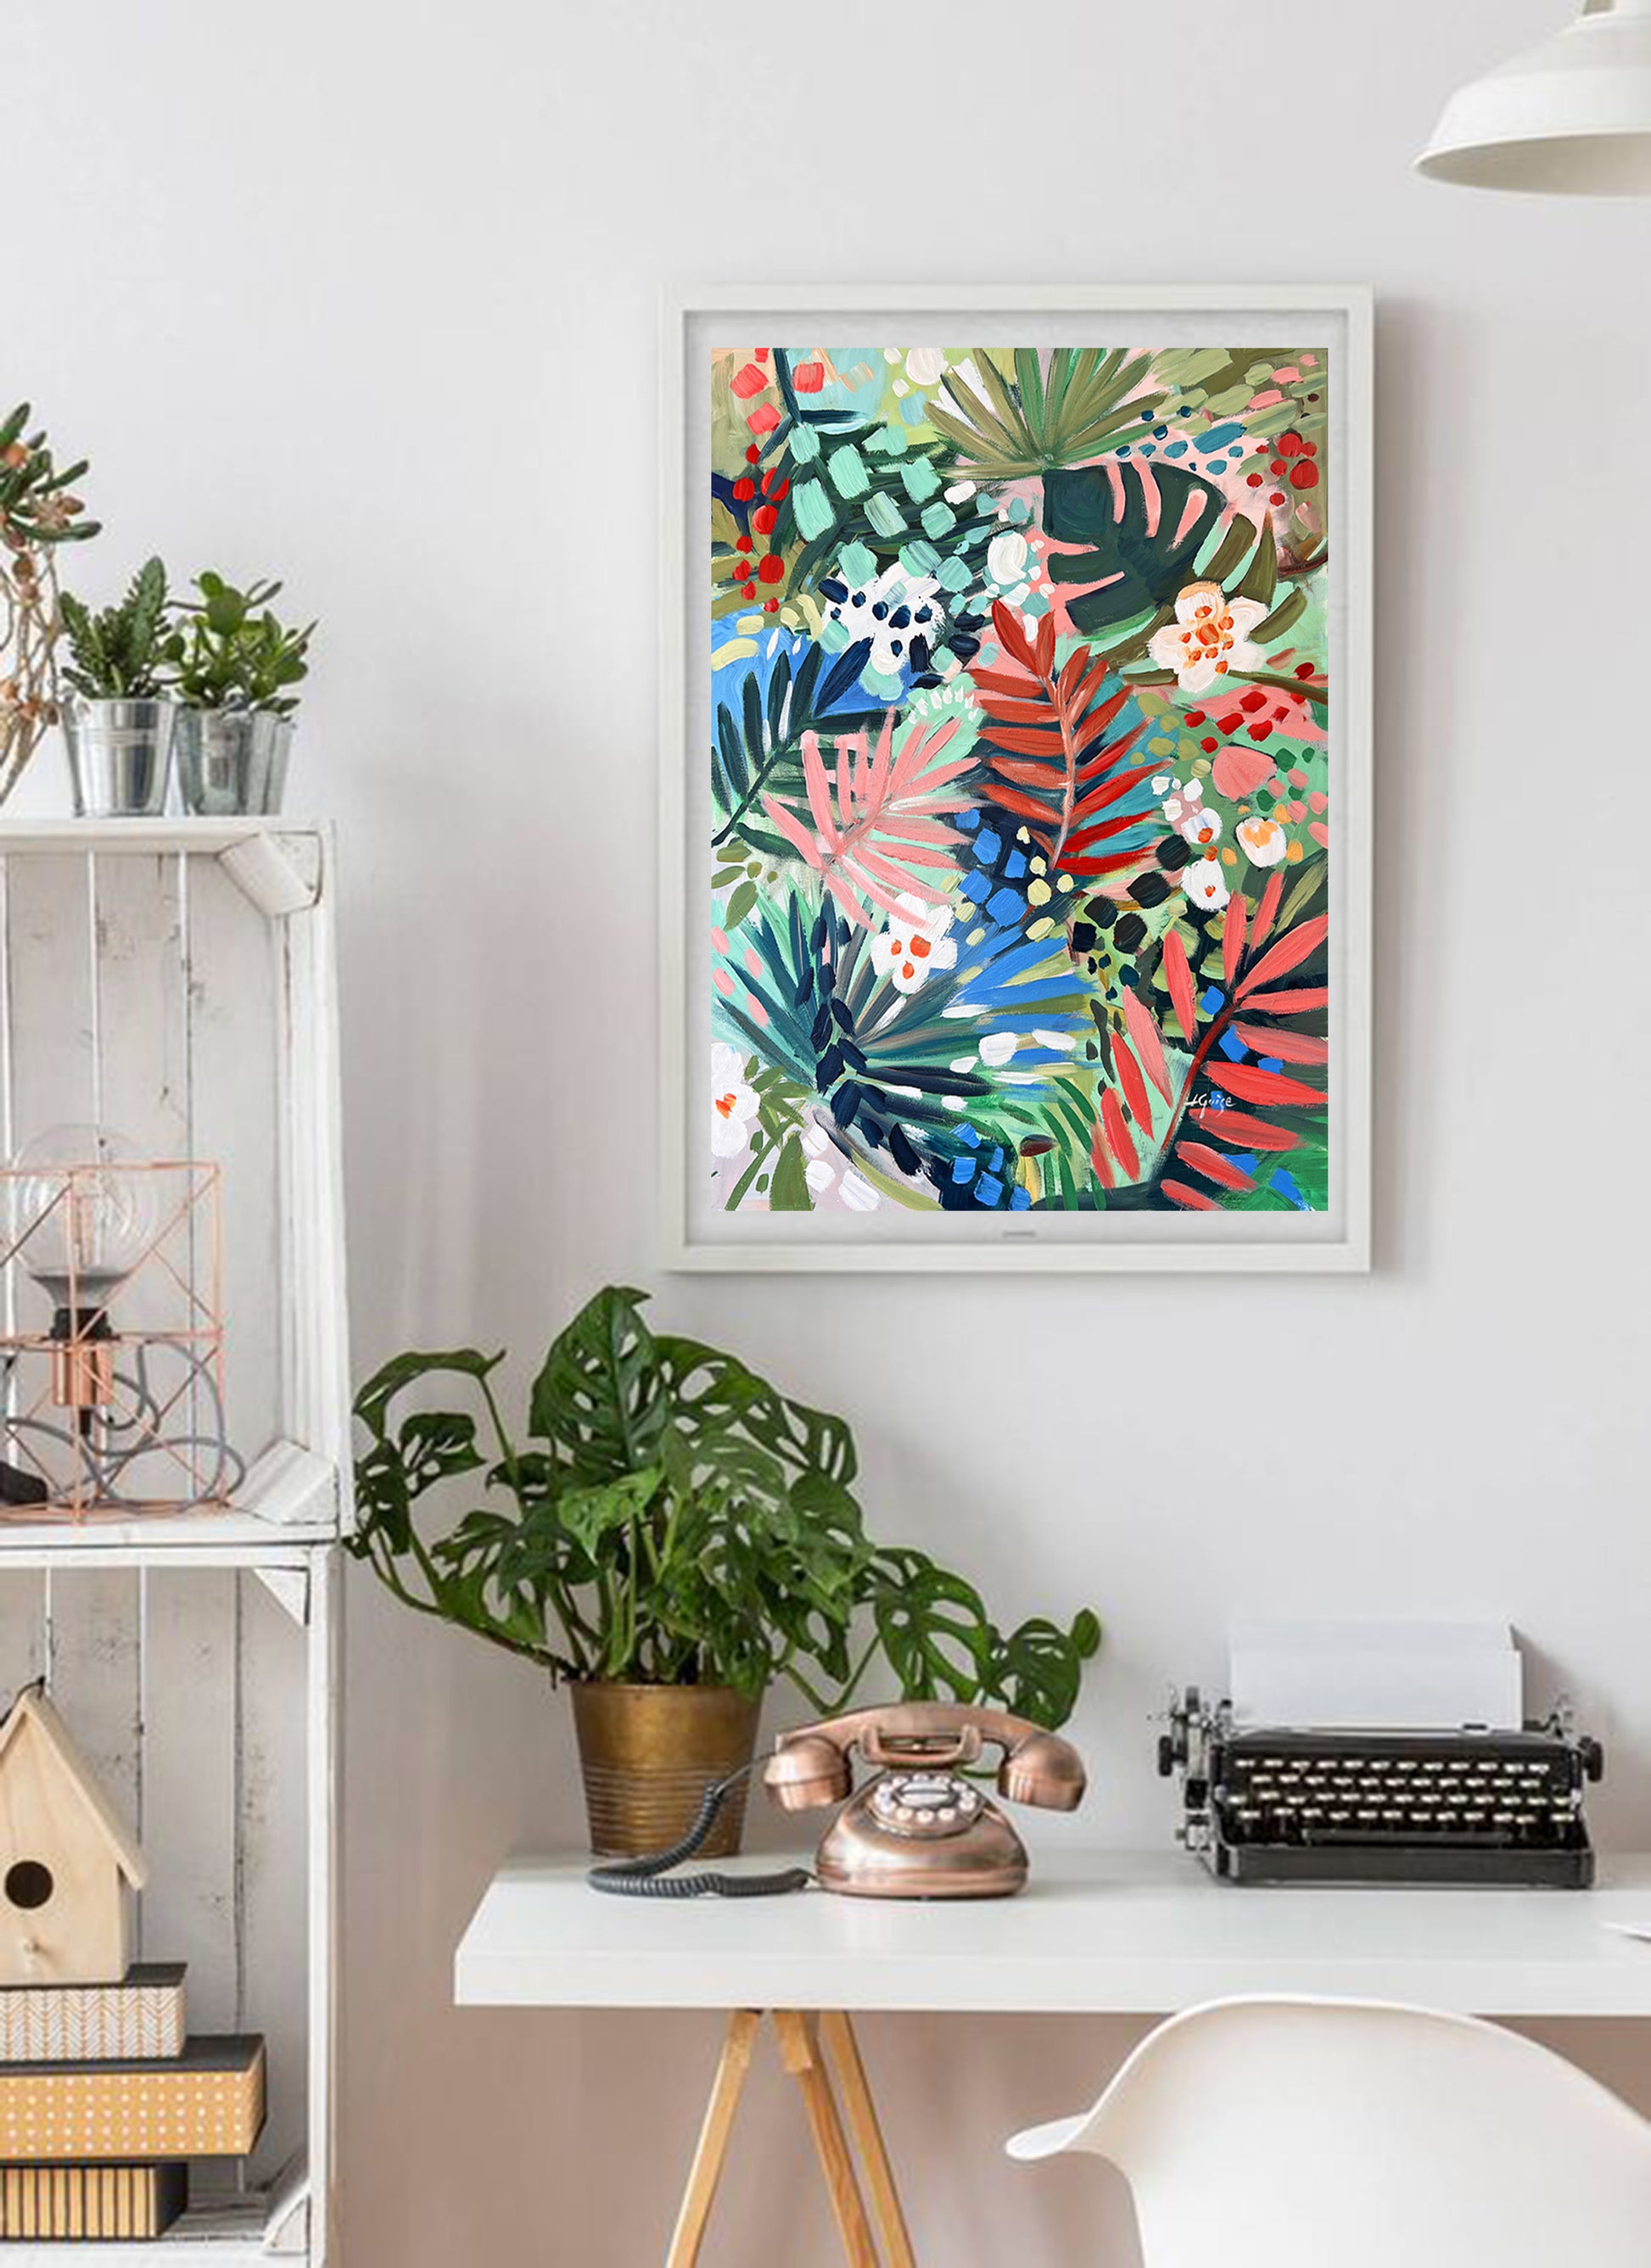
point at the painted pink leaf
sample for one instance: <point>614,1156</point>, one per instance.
<point>1179,977</point>
<point>881,832</point>
<point>1242,1131</point>
<point>1184,1194</point>
<point>1293,946</point>
<point>1289,1047</point>
<point>1291,1004</point>
<point>1149,1045</point>
<point>1117,1133</point>
<point>1239,772</point>
<point>1134,1085</point>
<point>1250,1085</point>
<point>1266,910</point>
<point>1098,1156</point>
<point>1212,1166</point>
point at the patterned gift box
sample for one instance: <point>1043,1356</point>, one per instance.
<point>143,2018</point>
<point>209,2102</point>
<point>96,2202</point>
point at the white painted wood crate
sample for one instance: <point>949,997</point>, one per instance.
<point>175,979</point>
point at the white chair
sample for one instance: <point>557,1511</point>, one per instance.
<point>1298,2134</point>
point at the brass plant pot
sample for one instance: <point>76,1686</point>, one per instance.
<point>649,1752</point>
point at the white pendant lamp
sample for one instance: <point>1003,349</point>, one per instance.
<point>1572,117</point>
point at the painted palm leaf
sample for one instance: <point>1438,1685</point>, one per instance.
<point>1085,405</point>
<point>884,833</point>
<point>1055,739</point>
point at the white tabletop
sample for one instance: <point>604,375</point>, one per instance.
<point>1093,1931</point>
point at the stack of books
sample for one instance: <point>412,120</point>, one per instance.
<point>104,2098</point>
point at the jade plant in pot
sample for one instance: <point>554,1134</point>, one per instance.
<point>116,715</point>
<point>669,1535</point>
<point>234,666</point>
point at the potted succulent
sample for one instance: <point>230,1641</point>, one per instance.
<point>115,715</point>
<point>39,513</point>
<point>670,1536</point>
<point>233,665</point>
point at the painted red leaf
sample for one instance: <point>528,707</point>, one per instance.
<point>1289,1047</point>
<point>1012,800</point>
<point>1117,1133</point>
<point>1149,1047</point>
<point>1194,1199</point>
<point>1293,946</point>
<point>1134,1085</point>
<point>1026,741</point>
<point>1266,910</point>
<point>1015,639</point>
<point>1044,650</point>
<point>1180,981</point>
<point>1242,1131</point>
<point>1099,797</point>
<point>1013,709</point>
<point>1090,870</point>
<point>1291,1004</point>
<point>1099,1159</point>
<point>1233,935</point>
<point>1212,1166</point>
<point>1250,1085</point>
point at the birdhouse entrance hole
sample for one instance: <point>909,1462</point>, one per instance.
<point>28,1884</point>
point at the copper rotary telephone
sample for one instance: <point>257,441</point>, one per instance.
<point>918,1829</point>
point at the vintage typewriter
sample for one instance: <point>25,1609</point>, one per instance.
<point>1295,1805</point>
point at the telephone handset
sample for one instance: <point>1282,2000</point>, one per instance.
<point>919,1830</point>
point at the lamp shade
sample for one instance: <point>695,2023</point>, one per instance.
<point>1570,118</point>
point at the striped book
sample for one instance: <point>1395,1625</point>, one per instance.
<point>208,2103</point>
<point>95,2023</point>
<point>91,2201</point>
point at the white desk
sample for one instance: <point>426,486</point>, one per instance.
<point>1094,1933</point>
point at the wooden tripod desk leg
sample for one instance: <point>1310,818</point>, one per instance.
<point>837,2031</point>
<point>712,2147</point>
<point>800,2052</point>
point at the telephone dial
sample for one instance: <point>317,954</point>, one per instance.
<point>919,1828</point>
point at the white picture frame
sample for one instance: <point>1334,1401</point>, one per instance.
<point>696,1236</point>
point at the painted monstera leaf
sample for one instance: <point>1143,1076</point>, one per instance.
<point>1143,528</point>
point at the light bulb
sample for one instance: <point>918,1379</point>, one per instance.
<point>82,1218</point>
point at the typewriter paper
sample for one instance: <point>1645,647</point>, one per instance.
<point>1406,1676</point>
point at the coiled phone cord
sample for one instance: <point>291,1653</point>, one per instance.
<point>651,1877</point>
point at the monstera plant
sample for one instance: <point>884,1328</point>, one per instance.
<point>667,1521</point>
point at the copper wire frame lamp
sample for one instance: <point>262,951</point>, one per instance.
<point>116,1408</point>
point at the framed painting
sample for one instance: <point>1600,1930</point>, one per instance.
<point>1016,778</point>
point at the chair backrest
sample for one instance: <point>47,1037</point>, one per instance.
<point>1292,2133</point>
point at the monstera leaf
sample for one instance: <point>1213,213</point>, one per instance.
<point>1142,526</point>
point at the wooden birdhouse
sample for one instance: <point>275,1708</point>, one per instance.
<point>67,1867</point>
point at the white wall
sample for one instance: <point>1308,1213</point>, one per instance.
<point>363,293</point>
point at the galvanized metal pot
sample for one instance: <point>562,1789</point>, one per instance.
<point>648,1754</point>
<point>232,761</point>
<point>120,756</point>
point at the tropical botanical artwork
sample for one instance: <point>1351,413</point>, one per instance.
<point>1020,780</point>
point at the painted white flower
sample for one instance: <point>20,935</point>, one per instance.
<point>1203,884</point>
<point>819,1175</point>
<point>1007,556</point>
<point>894,612</point>
<point>857,1192</point>
<point>1262,840</point>
<point>733,1103</point>
<point>996,1048</point>
<point>1209,637</point>
<point>1200,827</point>
<point>913,942</point>
<point>1182,800</point>
<point>1162,785</point>
<point>925,365</point>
